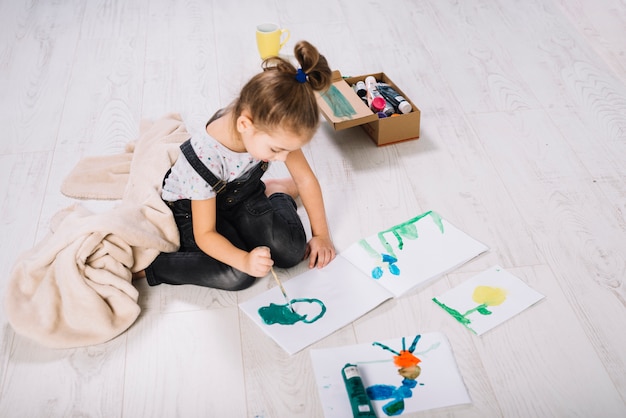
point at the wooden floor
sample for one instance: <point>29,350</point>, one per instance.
<point>523,146</point>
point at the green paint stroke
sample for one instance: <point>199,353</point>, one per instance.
<point>337,102</point>
<point>407,230</point>
<point>462,318</point>
<point>283,315</point>
<point>368,249</point>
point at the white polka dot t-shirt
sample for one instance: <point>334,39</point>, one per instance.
<point>185,183</point>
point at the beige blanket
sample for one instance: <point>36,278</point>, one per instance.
<point>74,288</point>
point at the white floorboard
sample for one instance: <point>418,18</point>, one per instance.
<point>523,146</point>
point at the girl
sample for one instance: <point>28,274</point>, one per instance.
<point>233,226</point>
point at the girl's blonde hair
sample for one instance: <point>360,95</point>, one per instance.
<point>277,99</point>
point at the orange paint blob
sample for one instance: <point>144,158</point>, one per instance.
<point>406,359</point>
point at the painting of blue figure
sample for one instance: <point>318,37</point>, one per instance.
<point>403,375</point>
<point>408,372</point>
<point>414,252</point>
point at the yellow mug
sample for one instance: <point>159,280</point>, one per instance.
<point>269,39</point>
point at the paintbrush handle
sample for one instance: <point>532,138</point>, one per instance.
<point>282,289</point>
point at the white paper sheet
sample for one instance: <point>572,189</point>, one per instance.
<point>438,385</point>
<point>501,297</point>
<point>425,247</point>
<point>339,286</point>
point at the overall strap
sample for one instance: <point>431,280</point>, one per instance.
<point>217,184</point>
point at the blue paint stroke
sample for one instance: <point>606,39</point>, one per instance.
<point>397,395</point>
<point>283,315</point>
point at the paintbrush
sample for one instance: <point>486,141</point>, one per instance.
<point>282,289</point>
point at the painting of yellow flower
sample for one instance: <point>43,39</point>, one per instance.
<point>487,299</point>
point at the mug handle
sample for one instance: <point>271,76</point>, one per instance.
<point>287,35</point>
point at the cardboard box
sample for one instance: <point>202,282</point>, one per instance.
<point>343,109</point>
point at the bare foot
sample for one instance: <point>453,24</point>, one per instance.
<point>284,185</point>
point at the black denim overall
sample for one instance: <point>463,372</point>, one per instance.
<point>245,216</point>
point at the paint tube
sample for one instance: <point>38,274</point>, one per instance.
<point>373,93</point>
<point>399,103</point>
<point>360,89</point>
<point>359,401</point>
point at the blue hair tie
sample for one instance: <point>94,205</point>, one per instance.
<point>301,76</point>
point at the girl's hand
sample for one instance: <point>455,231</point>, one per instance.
<point>258,262</point>
<point>320,251</point>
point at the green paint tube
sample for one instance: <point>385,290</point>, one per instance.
<point>359,401</point>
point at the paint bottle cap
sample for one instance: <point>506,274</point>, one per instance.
<point>381,115</point>
<point>405,107</point>
<point>370,80</point>
<point>378,104</point>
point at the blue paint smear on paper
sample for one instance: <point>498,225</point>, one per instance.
<point>283,315</point>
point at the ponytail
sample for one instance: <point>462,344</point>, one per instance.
<point>283,96</point>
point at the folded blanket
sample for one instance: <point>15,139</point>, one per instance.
<point>74,288</point>
<point>100,178</point>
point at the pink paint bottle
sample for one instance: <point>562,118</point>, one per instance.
<point>373,94</point>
